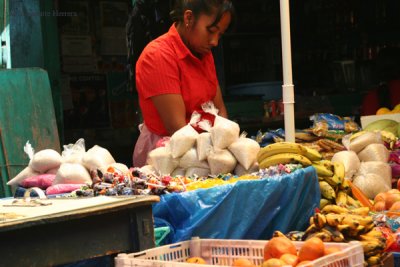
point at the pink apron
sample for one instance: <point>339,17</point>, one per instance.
<point>146,142</point>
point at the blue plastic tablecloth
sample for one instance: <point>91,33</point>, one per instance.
<point>251,209</point>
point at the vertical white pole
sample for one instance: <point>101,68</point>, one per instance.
<point>287,87</point>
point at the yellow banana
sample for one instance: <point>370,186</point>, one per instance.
<point>278,234</point>
<point>324,162</point>
<point>345,185</point>
<point>338,169</point>
<point>371,246</point>
<point>326,190</point>
<point>311,229</point>
<point>363,211</point>
<point>341,198</point>
<point>359,230</point>
<point>355,203</point>
<point>312,154</point>
<point>336,235</point>
<point>322,170</point>
<point>334,219</point>
<point>334,209</point>
<point>374,261</point>
<point>343,228</point>
<point>284,158</point>
<point>350,221</point>
<point>323,202</point>
<point>279,148</point>
<point>324,236</point>
<point>332,180</point>
<point>374,233</point>
<point>319,220</point>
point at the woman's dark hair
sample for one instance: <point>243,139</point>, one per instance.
<point>198,7</point>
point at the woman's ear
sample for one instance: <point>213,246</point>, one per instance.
<point>188,18</point>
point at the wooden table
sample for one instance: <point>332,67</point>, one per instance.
<point>70,230</point>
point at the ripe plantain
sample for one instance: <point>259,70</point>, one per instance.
<point>333,219</point>
<point>319,220</point>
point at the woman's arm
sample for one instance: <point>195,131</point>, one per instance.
<point>171,109</point>
<point>219,103</point>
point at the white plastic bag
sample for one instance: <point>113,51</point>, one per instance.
<point>72,173</point>
<point>97,158</point>
<point>221,161</point>
<point>350,161</point>
<point>204,145</point>
<point>184,139</point>
<point>373,177</point>
<point>224,132</point>
<point>22,175</point>
<point>162,160</point>
<point>374,152</point>
<point>360,142</point>
<point>73,153</point>
<point>190,159</point>
<point>245,150</point>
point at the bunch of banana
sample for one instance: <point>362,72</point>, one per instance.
<point>285,153</point>
<point>339,224</point>
<point>334,187</point>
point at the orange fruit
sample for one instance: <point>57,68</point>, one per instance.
<point>242,262</point>
<point>290,259</point>
<point>196,260</point>
<point>312,249</point>
<point>278,246</point>
<point>331,250</point>
<point>383,110</point>
<point>273,263</point>
<point>303,263</point>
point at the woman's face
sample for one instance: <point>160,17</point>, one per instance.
<point>201,37</point>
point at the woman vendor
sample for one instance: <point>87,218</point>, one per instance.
<point>175,74</point>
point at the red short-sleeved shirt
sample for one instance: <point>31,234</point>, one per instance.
<point>166,66</point>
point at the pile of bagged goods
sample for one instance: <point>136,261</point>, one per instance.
<point>357,169</point>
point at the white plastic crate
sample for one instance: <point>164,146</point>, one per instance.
<point>222,253</point>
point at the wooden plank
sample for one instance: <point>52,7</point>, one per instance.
<point>67,209</point>
<point>26,113</point>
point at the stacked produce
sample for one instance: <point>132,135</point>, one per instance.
<point>339,224</point>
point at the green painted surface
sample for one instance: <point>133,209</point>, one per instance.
<point>26,113</point>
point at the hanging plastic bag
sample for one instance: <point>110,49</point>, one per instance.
<point>221,161</point>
